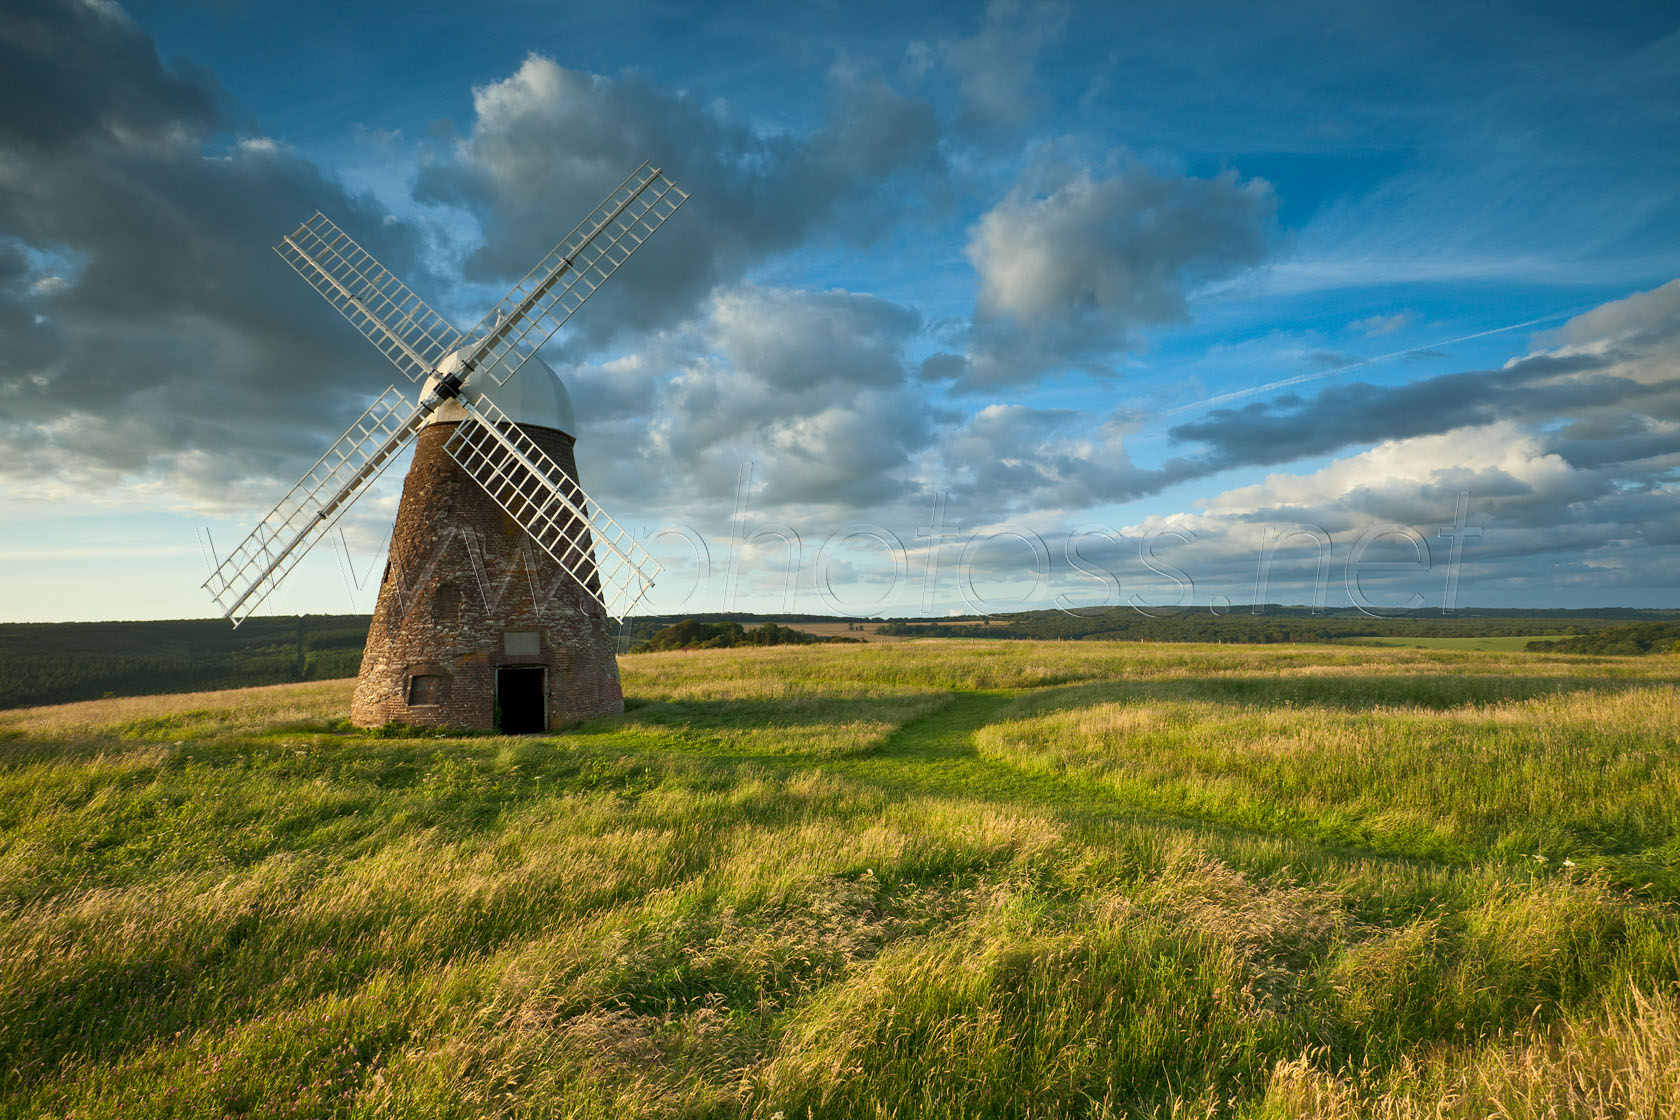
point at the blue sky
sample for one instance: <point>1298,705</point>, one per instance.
<point>1194,276</point>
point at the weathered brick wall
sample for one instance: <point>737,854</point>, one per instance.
<point>461,575</point>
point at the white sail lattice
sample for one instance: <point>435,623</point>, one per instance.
<point>255,568</point>
<point>549,505</point>
<point>524,480</point>
<point>399,323</point>
<point>541,303</point>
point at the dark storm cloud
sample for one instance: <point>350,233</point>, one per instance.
<point>147,323</point>
<point>1568,453</point>
<point>1635,440</point>
<point>1607,394</point>
<point>1291,427</point>
<point>149,329</point>
<point>151,334</point>
<point>548,143</point>
<point>75,70</point>
<point>1568,458</point>
<point>760,378</point>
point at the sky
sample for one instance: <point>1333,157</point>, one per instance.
<point>973,307</point>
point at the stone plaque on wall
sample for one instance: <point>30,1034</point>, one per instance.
<point>522,643</point>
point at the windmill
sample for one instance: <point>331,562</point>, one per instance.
<point>493,608</point>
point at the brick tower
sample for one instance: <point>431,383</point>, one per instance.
<point>476,626</point>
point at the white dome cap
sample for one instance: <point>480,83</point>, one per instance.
<point>535,396</point>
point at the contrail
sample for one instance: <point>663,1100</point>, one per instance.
<point>1300,378</point>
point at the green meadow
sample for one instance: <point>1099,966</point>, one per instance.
<point>928,879</point>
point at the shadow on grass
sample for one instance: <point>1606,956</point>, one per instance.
<point>934,755</point>
<point>1355,692</point>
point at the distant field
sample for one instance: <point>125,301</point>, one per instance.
<point>1497,643</point>
<point>943,878</point>
<point>842,630</point>
<point>865,631</point>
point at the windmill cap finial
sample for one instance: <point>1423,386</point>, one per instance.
<point>533,397</point>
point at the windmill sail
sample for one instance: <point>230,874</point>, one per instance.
<point>408,332</point>
<point>549,505</point>
<point>313,506</point>
<point>541,303</point>
<point>527,483</point>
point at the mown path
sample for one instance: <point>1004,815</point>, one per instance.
<point>936,751</point>
<point>936,754</point>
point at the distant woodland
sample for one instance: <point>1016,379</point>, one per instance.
<point>689,634</point>
<point>52,663</point>
<point>1650,637</point>
<point>1273,624</point>
<point>56,662</point>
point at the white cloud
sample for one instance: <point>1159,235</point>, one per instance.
<point>798,338</point>
<point>1544,524</point>
<point>1376,326</point>
<point>1640,315</point>
<point>1391,478</point>
<point>995,67</point>
<point>547,143</point>
<point>811,385</point>
<point>1069,276</point>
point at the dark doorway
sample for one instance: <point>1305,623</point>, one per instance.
<point>521,701</point>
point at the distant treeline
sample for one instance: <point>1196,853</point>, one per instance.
<point>643,627</point>
<point>1270,625</point>
<point>689,634</point>
<point>1650,637</point>
<point>57,662</point>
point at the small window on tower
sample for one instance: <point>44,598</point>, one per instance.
<point>446,604</point>
<point>425,689</point>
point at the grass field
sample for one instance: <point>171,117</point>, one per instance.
<point>926,879</point>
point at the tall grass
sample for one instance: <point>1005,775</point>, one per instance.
<point>928,879</point>
<point>1551,775</point>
